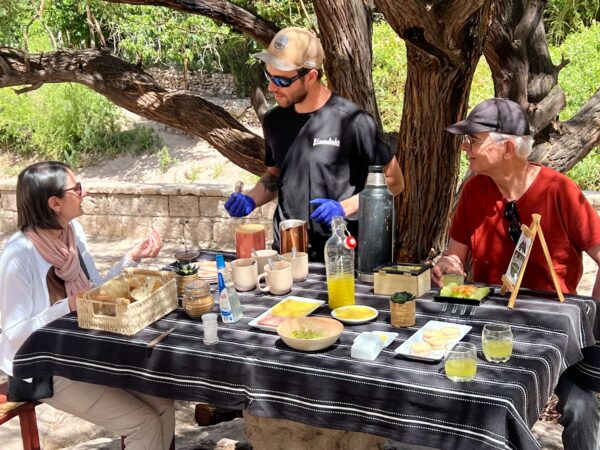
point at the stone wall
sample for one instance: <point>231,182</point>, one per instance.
<point>128,210</point>
<point>206,84</point>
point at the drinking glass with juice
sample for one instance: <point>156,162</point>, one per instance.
<point>497,342</point>
<point>461,362</point>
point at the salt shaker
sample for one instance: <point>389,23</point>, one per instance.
<point>209,323</point>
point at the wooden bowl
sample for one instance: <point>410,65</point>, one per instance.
<point>328,329</point>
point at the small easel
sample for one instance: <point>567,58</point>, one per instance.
<point>511,280</point>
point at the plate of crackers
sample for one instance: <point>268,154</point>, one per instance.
<point>433,340</point>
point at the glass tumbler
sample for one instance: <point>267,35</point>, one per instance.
<point>209,322</point>
<point>497,342</point>
<point>461,362</point>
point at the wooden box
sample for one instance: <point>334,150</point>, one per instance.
<point>396,277</point>
<point>120,315</point>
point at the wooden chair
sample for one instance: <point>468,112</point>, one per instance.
<point>26,413</point>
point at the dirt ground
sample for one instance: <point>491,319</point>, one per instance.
<point>193,160</point>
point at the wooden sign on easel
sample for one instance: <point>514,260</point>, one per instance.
<point>511,280</point>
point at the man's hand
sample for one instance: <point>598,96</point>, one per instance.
<point>146,249</point>
<point>327,210</point>
<point>446,264</point>
<point>239,205</point>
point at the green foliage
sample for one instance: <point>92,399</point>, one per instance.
<point>563,17</point>
<point>164,158</point>
<point>389,74</point>
<point>585,173</point>
<point>67,122</point>
<point>581,77</point>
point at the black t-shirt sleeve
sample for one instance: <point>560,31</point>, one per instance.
<point>370,147</point>
<point>269,160</point>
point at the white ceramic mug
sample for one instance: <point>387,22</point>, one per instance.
<point>299,265</point>
<point>262,258</point>
<point>244,272</point>
<point>278,280</point>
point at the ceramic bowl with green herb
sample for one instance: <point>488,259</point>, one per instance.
<point>310,334</point>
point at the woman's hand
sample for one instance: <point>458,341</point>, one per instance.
<point>146,249</point>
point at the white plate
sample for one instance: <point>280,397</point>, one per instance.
<point>435,355</point>
<point>374,314</point>
<point>314,302</point>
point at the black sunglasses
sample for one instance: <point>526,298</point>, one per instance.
<point>284,82</point>
<point>77,188</point>
<point>514,226</point>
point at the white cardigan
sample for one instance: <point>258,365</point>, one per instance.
<point>24,299</point>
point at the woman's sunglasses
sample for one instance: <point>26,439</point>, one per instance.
<point>514,221</point>
<point>78,189</point>
<point>284,82</point>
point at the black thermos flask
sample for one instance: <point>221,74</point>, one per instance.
<point>376,223</point>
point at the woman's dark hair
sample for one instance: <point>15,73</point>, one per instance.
<point>35,185</point>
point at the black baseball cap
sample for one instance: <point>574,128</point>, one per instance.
<point>497,114</point>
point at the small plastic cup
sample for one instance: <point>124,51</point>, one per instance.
<point>453,278</point>
<point>209,322</point>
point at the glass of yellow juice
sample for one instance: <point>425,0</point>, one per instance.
<point>461,362</point>
<point>497,342</point>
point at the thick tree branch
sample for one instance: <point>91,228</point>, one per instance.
<point>222,11</point>
<point>128,86</point>
<point>575,138</point>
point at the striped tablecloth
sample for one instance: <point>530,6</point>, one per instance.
<point>405,400</point>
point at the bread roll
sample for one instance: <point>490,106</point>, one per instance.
<point>431,333</point>
<point>115,288</point>
<point>437,343</point>
<point>450,332</point>
<point>146,289</point>
<point>420,349</point>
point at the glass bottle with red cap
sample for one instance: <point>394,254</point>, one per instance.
<point>339,264</point>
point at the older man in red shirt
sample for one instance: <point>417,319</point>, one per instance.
<point>506,190</point>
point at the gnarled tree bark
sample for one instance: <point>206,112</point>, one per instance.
<point>346,32</point>
<point>444,42</point>
<point>130,87</point>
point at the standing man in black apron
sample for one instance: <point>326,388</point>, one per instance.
<point>318,145</point>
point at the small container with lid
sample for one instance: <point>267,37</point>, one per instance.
<point>197,299</point>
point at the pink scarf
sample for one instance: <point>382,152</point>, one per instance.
<point>63,255</point>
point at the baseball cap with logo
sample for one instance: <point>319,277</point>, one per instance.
<point>293,48</point>
<point>497,114</point>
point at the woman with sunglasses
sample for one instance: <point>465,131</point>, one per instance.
<point>42,269</point>
<point>506,190</point>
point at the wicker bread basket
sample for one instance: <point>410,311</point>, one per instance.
<point>122,317</point>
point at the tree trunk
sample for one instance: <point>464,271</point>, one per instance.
<point>346,33</point>
<point>444,43</point>
<point>131,88</point>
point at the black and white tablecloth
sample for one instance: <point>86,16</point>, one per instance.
<point>405,400</point>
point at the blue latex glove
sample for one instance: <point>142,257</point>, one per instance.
<point>327,210</point>
<point>239,205</point>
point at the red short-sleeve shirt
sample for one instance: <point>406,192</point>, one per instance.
<point>569,223</point>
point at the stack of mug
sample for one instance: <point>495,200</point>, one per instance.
<point>252,265</point>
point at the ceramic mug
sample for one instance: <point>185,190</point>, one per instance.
<point>262,258</point>
<point>244,272</point>
<point>278,280</point>
<point>299,265</point>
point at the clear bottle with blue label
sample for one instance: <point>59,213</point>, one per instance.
<point>229,302</point>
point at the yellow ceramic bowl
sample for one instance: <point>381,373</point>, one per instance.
<point>310,333</point>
